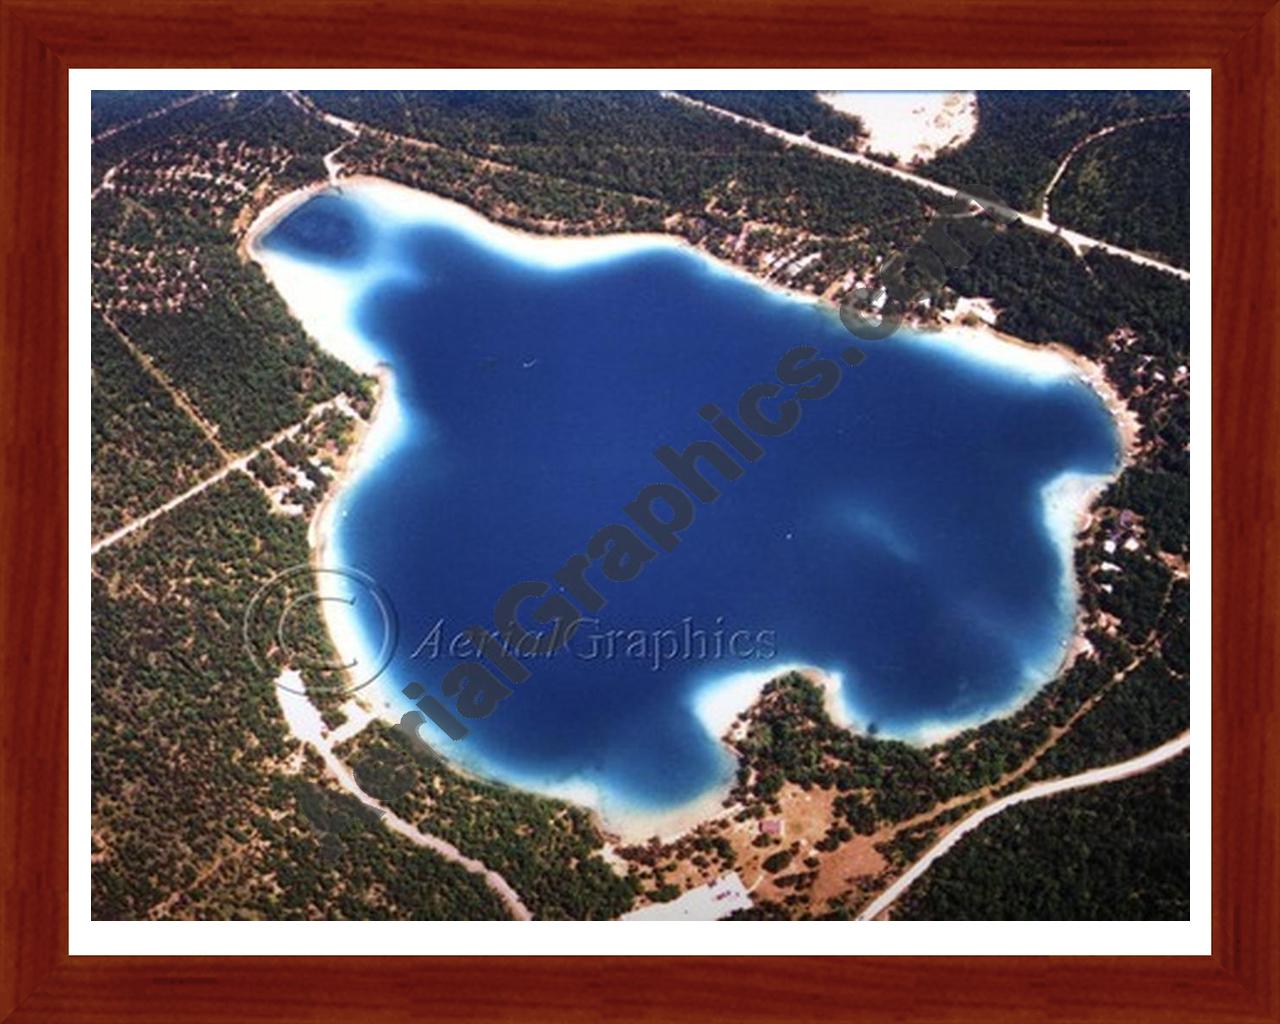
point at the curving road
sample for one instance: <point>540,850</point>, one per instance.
<point>1093,777</point>
<point>1089,140</point>
<point>307,726</point>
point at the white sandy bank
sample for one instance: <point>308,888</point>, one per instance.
<point>910,125</point>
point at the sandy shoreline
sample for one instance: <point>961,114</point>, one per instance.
<point>1068,499</point>
<point>371,439</point>
<point>554,251</point>
<point>1128,426</point>
<point>272,214</point>
<point>327,321</point>
<point>570,250</point>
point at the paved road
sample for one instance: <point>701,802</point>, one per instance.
<point>1093,777</point>
<point>1076,240</point>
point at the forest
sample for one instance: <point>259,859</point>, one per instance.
<point>790,738</point>
<point>547,849</point>
<point>643,145</point>
<point>110,108</point>
<point>145,449</point>
<point>168,271</point>
<point>1022,137</point>
<point>129,139</point>
<point>1116,852</point>
<point>244,362</point>
<point>219,832</point>
<point>1133,188</point>
<point>801,113</point>
<point>1151,707</point>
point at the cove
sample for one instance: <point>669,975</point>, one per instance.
<point>900,538</point>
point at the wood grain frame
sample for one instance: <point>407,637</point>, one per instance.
<point>41,39</point>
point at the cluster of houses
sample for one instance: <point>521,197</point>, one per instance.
<point>159,281</point>
<point>217,184</point>
<point>1122,534</point>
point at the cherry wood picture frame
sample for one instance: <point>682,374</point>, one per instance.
<point>41,39</point>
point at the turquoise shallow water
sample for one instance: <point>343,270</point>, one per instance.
<point>896,536</point>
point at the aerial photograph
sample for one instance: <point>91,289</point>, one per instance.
<point>640,505</point>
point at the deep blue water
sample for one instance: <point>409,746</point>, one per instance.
<point>896,535</point>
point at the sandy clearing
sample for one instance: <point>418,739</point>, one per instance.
<point>910,126</point>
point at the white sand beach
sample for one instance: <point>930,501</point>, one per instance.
<point>353,647</point>
<point>983,344</point>
<point>1067,498</point>
<point>718,704</point>
<point>403,204</point>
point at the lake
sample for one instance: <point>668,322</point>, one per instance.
<point>898,538</point>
